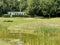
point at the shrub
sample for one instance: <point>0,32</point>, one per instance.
<point>6,15</point>
<point>20,16</point>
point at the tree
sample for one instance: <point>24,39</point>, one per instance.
<point>33,7</point>
<point>42,7</point>
<point>49,8</point>
<point>23,5</point>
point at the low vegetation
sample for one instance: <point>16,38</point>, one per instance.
<point>34,31</point>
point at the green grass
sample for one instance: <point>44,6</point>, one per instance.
<point>34,31</point>
<point>4,43</point>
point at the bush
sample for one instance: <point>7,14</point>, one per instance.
<point>20,16</point>
<point>6,15</point>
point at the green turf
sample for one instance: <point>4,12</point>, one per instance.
<point>34,31</point>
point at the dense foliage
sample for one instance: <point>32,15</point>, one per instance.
<point>44,8</point>
<point>11,5</point>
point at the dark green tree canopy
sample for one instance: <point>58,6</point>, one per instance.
<point>32,7</point>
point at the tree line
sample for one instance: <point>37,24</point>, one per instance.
<point>46,8</point>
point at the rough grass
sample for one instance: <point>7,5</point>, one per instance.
<point>4,43</point>
<point>33,31</point>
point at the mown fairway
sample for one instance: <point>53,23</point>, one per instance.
<point>33,31</point>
